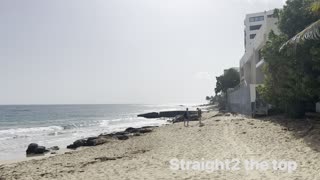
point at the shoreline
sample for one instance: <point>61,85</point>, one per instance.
<point>62,150</point>
<point>65,149</point>
<point>223,136</point>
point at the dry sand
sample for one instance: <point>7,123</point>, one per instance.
<point>147,157</point>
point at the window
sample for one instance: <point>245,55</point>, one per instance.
<point>258,18</point>
<point>256,27</point>
<point>252,36</point>
<point>245,35</point>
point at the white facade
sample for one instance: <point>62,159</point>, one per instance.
<point>244,98</point>
<point>257,28</point>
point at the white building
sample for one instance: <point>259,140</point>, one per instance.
<point>257,28</point>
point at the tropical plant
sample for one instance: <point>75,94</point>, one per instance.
<point>311,32</point>
<point>292,75</point>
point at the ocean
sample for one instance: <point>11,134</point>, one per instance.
<point>60,125</point>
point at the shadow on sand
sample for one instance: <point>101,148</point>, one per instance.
<point>307,128</point>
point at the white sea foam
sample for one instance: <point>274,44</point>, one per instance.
<point>115,125</point>
<point>30,130</point>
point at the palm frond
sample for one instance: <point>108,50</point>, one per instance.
<point>312,32</point>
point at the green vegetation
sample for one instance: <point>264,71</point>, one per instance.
<point>230,79</point>
<point>312,32</point>
<point>293,59</point>
<point>210,99</point>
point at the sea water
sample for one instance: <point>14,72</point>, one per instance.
<point>60,125</point>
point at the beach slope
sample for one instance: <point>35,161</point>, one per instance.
<point>148,156</point>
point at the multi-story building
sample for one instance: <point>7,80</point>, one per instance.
<point>257,28</point>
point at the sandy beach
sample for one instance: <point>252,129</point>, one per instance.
<point>223,136</point>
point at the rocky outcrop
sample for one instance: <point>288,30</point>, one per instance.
<point>103,138</point>
<point>54,148</point>
<point>96,141</point>
<point>165,114</point>
<point>149,115</point>
<point>142,130</point>
<point>121,137</point>
<point>170,114</point>
<point>77,143</point>
<point>145,130</point>
<point>34,148</point>
<point>132,130</point>
<point>91,141</point>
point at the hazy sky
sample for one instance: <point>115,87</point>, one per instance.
<point>119,51</point>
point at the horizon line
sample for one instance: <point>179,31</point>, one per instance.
<point>98,104</point>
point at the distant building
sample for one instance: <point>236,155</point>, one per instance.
<point>257,28</point>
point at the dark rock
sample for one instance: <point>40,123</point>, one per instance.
<point>54,148</point>
<point>80,142</point>
<point>91,138</point>
<point>145,130</point>
<point>34,148</point>
<point>71,146</point>
<point>77,143</point>
<point>121,133</point>
<point>121,137</point>
<point>104,135</point>
<point>91,141</point>
<point>144,127</point>
<point>132,130</point>
<point>40,150</point>
<point>149,115</point>
<point>95,141</point>
<point>31,148</point>
<point>165,114</point>
<point>171,113</point>
<point>136,134</point>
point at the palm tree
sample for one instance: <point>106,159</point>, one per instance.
<point>312,32</point>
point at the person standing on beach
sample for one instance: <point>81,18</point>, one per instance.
<point>199,115</point>
<point>186,117</point>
